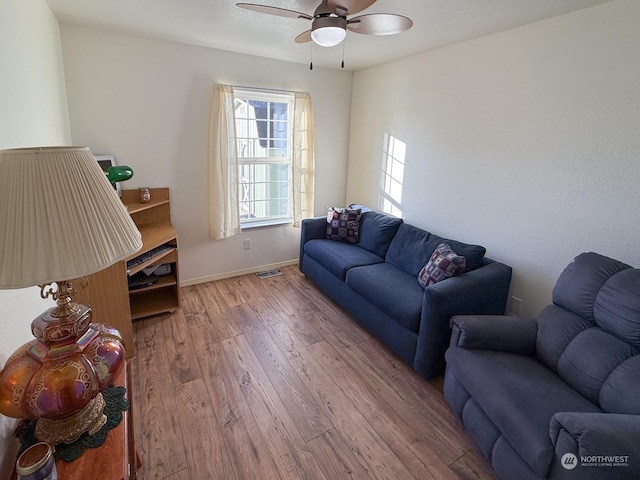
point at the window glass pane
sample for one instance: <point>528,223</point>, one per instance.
<point>263,133</point>
<point>264,190</point>
<point>262,129</point>
<point>271,121</point>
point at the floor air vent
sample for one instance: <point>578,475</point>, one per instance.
<point>269,273</point>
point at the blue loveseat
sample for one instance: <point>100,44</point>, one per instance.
<point>558,396</point>
<point>375,280</point>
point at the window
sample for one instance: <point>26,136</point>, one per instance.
<point>271,180</point>
<point>263,140</point>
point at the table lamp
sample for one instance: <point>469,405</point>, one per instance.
<point>60,220</point>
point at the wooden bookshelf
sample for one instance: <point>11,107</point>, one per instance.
<point>154,222</point>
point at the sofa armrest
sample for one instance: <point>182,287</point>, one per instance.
<point>603,445</point>
<point>494,332</point>
<point>482,291</point>
<point>312,228</point>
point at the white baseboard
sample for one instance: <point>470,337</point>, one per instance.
<point>237,273</point>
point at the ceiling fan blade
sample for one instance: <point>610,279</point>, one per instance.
<point>280,12</point>
<point>352,6</point>
<point>304,37</point>
<point>379,24</point>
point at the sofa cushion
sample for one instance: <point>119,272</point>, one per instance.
<point>520,396</point>
<point>339,257</point>
<point>617,306</point>
<point>392,290</point>
<point>444,263</point>
<point>556,328</point>
<point>621,390</point>
<point>377,230</point>
<point>579,283</point>
<point>343,224</point>
<point>411,248</point>
<point>590,358</point>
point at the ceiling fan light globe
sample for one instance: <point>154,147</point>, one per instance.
<point>328,36</point>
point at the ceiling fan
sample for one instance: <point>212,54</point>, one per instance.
<point>329,23</point>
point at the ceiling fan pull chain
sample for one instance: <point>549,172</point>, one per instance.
<point>311,64</point>
<point>342,64</point>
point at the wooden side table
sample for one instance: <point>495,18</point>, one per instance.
<point>117,458</point>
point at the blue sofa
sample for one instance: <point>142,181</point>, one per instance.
<point>558,396</point>
<point>375,280</point>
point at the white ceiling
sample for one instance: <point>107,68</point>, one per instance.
<point>220,24</point>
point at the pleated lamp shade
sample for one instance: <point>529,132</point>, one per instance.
<point>60,217</point>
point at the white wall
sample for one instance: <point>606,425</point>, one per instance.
<point>33,112</point>
<point>148,101</point>
<point>526,142</point>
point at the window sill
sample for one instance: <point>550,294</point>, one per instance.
<point>266,223</point>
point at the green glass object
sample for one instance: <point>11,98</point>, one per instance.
<point>119,173</point>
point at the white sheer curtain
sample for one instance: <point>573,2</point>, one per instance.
<point>224,214</point>
<point>302,158</point>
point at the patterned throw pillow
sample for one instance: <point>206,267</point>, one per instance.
<point>444,263</point>
<point>343,224</point>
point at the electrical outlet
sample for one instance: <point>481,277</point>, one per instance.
<point>516,305</point>
<point>246,243</point>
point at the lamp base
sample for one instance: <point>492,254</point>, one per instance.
<point>67,430</point>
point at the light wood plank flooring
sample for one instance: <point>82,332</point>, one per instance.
<point>269,379</point>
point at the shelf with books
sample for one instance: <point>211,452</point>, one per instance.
<point>154,222</point>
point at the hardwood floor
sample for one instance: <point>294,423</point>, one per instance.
<point>269,379</point>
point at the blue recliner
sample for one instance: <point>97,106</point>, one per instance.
<point>557,396</point>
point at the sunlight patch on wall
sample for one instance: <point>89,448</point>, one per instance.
<point>392,175</point>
